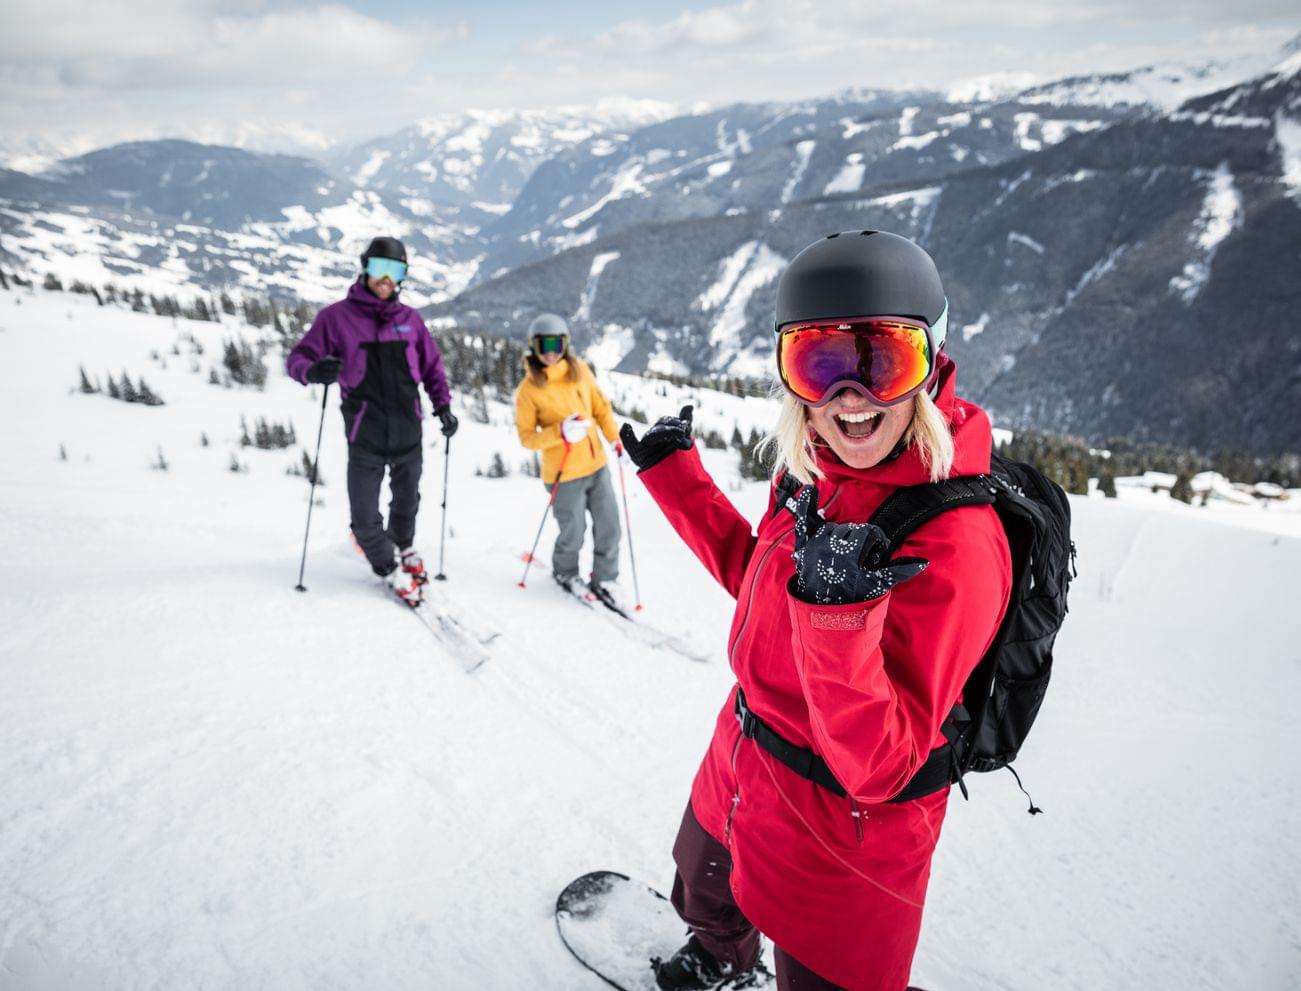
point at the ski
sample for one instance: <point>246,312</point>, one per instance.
<point>635,628</point>
<point>468,645</point>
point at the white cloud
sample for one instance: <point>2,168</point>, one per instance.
<point>294,75</point>
<point>202,43</point>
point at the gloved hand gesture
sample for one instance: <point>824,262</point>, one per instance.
<point>448,419</point>
<point>325,371</point>
<point>839,563</point>
<point>574,428</point>
<point>666,435</point>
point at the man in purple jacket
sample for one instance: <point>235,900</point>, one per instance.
<point>380,351</point>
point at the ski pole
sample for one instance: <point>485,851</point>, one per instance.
<point>528,561</point>
<point>311,497</point>
<point>627,522</point>
<point>442,542</point>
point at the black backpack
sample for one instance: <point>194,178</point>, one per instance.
<point>1003,694</point>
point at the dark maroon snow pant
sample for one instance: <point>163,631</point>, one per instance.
<point>702,895</point>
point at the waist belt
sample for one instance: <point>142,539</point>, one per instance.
<point>938,772</point>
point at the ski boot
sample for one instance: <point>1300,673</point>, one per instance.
<point>693,968</point>
<point>405,586</point>
<point>570,583</point>
<point>413,564</point>
<point>610,594</point>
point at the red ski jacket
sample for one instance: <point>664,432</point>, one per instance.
<point>837,882</point>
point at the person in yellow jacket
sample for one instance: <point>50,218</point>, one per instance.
<point>559,409</point>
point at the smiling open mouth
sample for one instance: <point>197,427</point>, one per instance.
<point>857,426</point>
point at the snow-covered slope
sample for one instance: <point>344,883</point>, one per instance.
<point>212,781</point>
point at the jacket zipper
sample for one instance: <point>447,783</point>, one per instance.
<point>736,795</point>
<point>749,604</point>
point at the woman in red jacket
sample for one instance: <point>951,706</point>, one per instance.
<point>847,666</point>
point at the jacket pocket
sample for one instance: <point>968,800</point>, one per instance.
<point>356,422</point>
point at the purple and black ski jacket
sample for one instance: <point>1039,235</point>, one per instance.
<point>387,353</point>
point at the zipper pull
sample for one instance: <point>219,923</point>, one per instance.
<point>858,818</point>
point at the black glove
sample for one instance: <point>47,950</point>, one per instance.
<point>668,434</point>
<point>325,371</point>
<point>450,423</point>
<point>839,563</point>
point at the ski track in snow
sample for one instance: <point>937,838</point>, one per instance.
<point>214,782</point>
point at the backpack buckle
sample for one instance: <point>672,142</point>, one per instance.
<point>744,716</point>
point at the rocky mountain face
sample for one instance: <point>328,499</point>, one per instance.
<point>1111,271</point>
<point>1121,252</point>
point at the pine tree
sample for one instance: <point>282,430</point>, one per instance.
<point>1107,483</point>
<point>1183,489</point>
<point>85,385</point>
<point>147,395</point>
<point>203,439</point>
<point>161,463</point>
<point>309,470</point>
<point>113,391</point>
<point>129,393</point>
<point>63,453</point>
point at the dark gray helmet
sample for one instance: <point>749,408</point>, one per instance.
<point>862,274</point>
<point>384,247</point>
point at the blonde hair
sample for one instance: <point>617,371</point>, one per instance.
<point>792,440</point>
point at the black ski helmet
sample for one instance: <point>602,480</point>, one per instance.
<point>862,274</point>
<point>384,247</point>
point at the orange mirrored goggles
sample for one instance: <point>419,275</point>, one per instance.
<point>887,359</point>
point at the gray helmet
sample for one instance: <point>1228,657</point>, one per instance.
<point>548,325</point>
<point>861,274</point>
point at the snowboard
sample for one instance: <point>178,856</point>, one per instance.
<point>614,926</point>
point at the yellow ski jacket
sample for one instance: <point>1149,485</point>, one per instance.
<point>539,410</point>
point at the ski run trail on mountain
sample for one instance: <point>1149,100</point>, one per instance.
<point>213,781</point>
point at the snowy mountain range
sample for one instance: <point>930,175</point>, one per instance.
<point>1097,235</point>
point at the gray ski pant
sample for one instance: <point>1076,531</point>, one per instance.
<point>365,476</point>
<point>574,500</point>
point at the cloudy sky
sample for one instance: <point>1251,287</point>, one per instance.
<point>298,76</point>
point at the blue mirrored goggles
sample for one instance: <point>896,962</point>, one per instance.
<point>386,268</point>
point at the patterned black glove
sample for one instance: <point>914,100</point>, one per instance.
<point>668,434</point>
<point>449,420</point>
<point>839,563</point>
<point>325,371</point>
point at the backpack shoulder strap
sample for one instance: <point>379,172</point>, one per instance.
<point>908,508</point>
<point>787,486</point>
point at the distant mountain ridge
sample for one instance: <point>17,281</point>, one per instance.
<point>1099,252</point>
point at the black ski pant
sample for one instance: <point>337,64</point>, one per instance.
<point>365,476</point>
<point>702,895</point>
